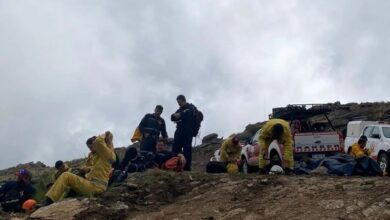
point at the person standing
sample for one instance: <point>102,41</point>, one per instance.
<point>184,118</point>
<point>151,126</point>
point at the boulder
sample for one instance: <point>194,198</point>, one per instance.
<point>66,209</point>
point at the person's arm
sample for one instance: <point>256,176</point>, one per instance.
<point>4,188</point>
<point>27,194</point>
<point>103,150</point>
<point>176,116</point>
<point>357,152</point>
<point>164,129</point>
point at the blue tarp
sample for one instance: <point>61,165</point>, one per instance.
<point>342,165</point>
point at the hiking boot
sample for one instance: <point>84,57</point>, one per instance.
<point>47,202</point>
<point>122,176</point>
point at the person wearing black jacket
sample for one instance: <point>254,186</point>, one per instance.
<point>184,119</point>
<point>151,126</point>
<point>141,161</point>
<point>14,193</point>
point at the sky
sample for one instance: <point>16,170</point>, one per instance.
<point>73,69</point>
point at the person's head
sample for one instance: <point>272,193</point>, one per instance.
<point>90,143</point>
<point>158,110</point>
<point>24,176</point>
<point>235,140</point>
<point>161,145</point>
<point>59,165</point>
<point>277,131</point>
<point>362,141</point>
<point>181,100</point>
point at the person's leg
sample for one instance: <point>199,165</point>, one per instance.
<point>177,143</point>
<point>288,158</point>
<point>262,152</point>
<point>76,183</point>
<point>131,153</point>
<point>187,151</point>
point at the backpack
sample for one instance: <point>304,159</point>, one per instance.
<point>198,118</point>
<point>173,164</point>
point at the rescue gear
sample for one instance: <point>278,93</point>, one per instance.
<point>230,151</point>
<point>265,139</point>
<point>96,179</point>
<point>232,168</point>
<point>29,205</point>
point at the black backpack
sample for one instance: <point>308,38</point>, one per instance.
<point>198,118</point>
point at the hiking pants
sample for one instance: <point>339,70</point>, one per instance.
<point>76,183</point>
<point>183,144</point>
<point>287,157</point>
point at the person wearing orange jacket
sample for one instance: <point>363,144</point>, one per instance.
<point>276,129</point>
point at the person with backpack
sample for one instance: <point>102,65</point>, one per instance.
<point>185,119</point>
<point>141,161</point>
<point>14,193</point>
<point>151,126</point>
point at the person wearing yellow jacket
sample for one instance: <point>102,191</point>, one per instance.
<point>230,150</point>
<point>276,129</point>
<point>359,150</point>
<point>97,175</point>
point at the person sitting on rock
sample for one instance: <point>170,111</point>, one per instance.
<point>230,150</point>
<point>276,129</point>
<point>61,168</point>
<point>139,162</point>
<point>14,193</point>
<point>96,174</point>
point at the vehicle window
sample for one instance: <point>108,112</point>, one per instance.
<point>367,131</point>
<point>386,132</point>
<point>375,132</point>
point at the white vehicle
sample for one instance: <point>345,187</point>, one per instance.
<point>378,135</point>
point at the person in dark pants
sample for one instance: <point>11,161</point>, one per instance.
<point>141,161</point>
<point>184,119</point>
<point>14,193</point>
<point>151,126</point>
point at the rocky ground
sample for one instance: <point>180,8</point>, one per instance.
<point>196,195</point>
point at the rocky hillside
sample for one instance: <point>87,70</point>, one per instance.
<point>197,195</point>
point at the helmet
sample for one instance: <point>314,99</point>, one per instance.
<point>29,205</point>
<point>232,168</point>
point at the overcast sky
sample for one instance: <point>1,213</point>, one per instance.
<point>73,69</point>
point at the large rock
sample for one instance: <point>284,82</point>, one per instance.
<point>66,209</point>
<point>209,138</point>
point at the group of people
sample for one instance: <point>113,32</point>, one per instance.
<point>278,129</point>
<point>102,165</point>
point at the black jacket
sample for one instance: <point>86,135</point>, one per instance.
<point>13,194</point>
<point>186,121</point>
<point>153,125</point>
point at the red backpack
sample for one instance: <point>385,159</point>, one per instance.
<point>173,164</point>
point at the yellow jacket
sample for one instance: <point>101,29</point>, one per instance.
<point>358,152</point>
<point>100,161</point>
<point>265,138</point>
<point>230,151</point>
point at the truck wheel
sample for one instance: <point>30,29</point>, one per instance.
<point>383,161</point>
